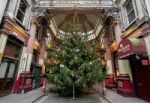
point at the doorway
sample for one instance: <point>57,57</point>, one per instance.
<point>7,75</point>
<point>143,80</point>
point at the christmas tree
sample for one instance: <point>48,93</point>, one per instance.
<point>74,63</point>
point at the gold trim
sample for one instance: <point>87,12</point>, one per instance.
<point>36,45</point>
<point>149,58</point>
<point>114,46</point>
<point>16,26</point>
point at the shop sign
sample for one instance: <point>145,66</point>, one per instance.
<point>124,48</point>
<point>130,46</point>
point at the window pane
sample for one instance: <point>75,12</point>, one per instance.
<point>22,10</point>
<point>11,70</point>
<point>129,6</point>
<point>131,16</point>
<point>20,16</point>
<point>23,6</point>
<point>3,68</point>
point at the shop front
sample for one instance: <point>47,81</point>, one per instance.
<point>134,50</point>
<point>11,54</point>
<point>9,64</point>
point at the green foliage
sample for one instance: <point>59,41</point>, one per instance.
<point>74,61</point>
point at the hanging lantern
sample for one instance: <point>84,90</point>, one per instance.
<point>104,41</point>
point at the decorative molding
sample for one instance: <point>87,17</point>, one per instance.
<point>134,27</point>
<point>10,27</point>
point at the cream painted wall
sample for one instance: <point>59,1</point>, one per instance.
<point>109,67</point>
<point>41,61</point>
<point>124,67</point>
<point>148,6</point>
<point>13,4</point>
<point>22,64</point>
<point>3,40</point>
<point>29,61</point>
<point>147,43</point>
<point>3,4</point>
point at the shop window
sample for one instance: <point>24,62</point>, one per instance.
<point>22,11</point>
<point>3,68</point>
<point>12,50</point>
<point>35,56</point>
<point>130,11</point>
<point>11,70</point>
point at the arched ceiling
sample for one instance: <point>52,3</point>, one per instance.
<point>84,22</point>
<point>84,16</point>
<point>87,22</point>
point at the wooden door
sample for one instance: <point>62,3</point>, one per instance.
<point>143,81</point>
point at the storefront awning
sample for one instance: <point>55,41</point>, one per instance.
<point>131,46</point>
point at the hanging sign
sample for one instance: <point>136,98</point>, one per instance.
<point>131,46</point>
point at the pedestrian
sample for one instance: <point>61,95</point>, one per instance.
<point>44,83</point>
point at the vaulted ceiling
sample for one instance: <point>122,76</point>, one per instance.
<point>84,16</point>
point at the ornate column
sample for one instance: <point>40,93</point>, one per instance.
<point>42,52</point>
<point>110,69</point>
<point>118,31</point>
<point>30,44</point>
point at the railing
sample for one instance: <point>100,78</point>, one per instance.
<point>75,3</point>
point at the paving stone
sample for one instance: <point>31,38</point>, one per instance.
<point>82,99</point>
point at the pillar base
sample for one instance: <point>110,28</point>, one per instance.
<point>124,86</point>
<point>24,82</point>
<point>110,83</point>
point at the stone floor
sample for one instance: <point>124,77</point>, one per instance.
<point>28,97</point>
<point>82,99</point>
<point>94,97</point>
<point>114,97</point>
